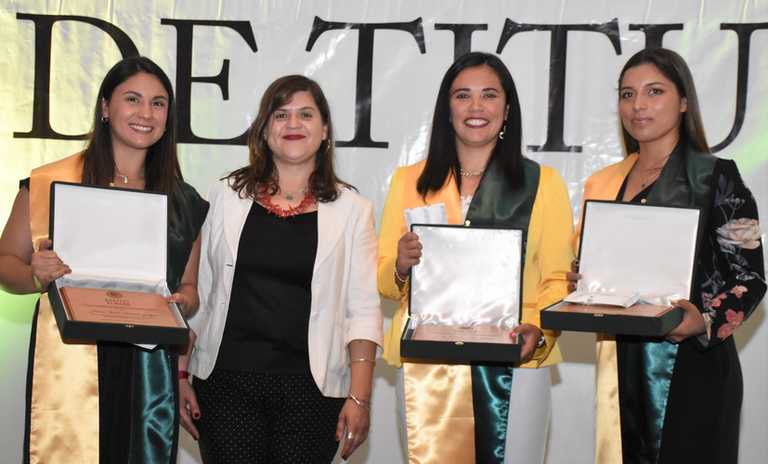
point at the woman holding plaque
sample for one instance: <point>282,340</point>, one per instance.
<point>289,315</point>
<point>105,402</point>
<point>678,399</point>
<point>475,171</point>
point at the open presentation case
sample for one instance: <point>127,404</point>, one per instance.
<point>634,261</point>
<point>115,241</point>
<point>464,295</point>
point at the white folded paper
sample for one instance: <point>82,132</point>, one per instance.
<point>623,300</point>
<point>430,214</point>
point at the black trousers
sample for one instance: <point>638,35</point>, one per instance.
<point>253,417</point>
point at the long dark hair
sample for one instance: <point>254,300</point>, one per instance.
<point>261,173</point>
<point>443,158</point>
<point>161,167</point>
<point>674,68</point>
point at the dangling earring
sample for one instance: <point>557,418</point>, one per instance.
<point>506,113</point>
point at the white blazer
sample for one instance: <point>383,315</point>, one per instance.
<point>345,302</point>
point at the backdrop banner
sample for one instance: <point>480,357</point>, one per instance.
<point>380,65</point>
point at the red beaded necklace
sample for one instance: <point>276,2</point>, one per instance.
<point>266,201</point>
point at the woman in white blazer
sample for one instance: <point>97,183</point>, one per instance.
<point>289,316</point>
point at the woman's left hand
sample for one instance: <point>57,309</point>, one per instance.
<point>691,325</point>
<point>355,420</point>
<point>531,335</point>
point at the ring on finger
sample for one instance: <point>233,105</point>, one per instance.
<point>350,436</point>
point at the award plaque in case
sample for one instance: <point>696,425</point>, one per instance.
<point>464,295</point>
<point>115,242</point>
<point>634,261</point>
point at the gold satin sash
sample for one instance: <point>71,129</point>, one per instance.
<point>608,417</point>
<point>64,409</point>
<point>605,185</point>
<point>438,399</point>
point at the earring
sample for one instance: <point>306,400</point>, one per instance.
<point>104,119</point>
<point>501,134</point>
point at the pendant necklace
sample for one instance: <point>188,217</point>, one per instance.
<point>654,173</point>
<point>291,195</point>
<point>123,178</point>
<point>466,173</point>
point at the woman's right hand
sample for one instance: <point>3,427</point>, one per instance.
<point>46,264</point>
<point>573,276</point>
<point>188,408</point>
<point>408,253</point>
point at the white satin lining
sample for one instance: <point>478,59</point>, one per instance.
<point>631,249</point>
<point>110,232</point>
<point>467,276</point>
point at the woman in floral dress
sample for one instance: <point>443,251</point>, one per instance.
<point>678,399</point>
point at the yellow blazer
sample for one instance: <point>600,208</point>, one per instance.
<point>548,257</point>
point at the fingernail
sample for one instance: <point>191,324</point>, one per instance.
<point>196,415</point>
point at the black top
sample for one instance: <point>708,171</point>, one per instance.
<point>268,320</point>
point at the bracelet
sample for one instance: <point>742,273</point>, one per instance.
<point>362,360</point>
<point>38,284</point>
<point>365,404</point>
<point>400,280</point>
<point>183,375</point>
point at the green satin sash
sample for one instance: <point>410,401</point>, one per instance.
<point>496,203</point>
<point>659,360</point>
<point>686,179</point>
<point>155,431</point>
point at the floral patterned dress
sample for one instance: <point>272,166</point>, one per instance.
<point>682,403</point>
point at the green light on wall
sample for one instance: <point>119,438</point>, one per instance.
<point>15,322</point>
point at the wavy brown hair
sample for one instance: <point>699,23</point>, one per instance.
<point>674,68</point>
<point>261,174</point>
<point>161,166</point>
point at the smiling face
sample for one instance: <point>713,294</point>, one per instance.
<point>478,107</point>
<point>137,111</point>
<point>650,106</point>
<point>295,130</point>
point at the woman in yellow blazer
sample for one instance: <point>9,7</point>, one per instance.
<point>476,170</point>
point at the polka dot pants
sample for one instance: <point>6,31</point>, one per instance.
<point>253,417</point>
